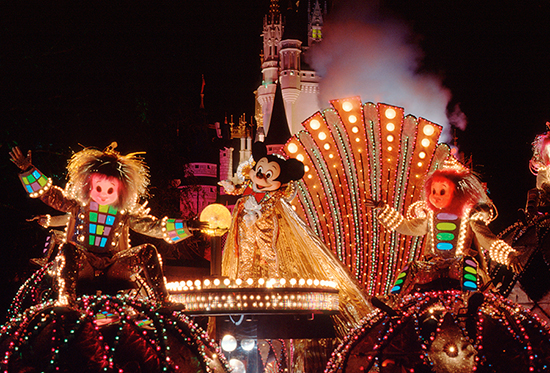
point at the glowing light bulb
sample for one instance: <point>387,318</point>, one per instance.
<point>425,143</point>
<point>355,129</point>
<point>322,136</point>
<point>428,130</point>
<point>390,126</point>
<point>352,119</point>
<point>390,113</point>
<point>292,148</point>
<point>300,157</point>
<point>229,343</point>
<point>347,106</point>
<point>315,124</point>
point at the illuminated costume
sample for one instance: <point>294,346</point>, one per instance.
<point>456,232</point>
<point>538,199</point>
<point>101,202</point>
<point>267,239</point>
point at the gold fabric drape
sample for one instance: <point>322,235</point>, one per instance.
<point>294,251</point>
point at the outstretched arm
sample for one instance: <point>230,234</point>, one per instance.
<point>393,220</point>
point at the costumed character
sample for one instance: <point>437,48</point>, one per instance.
<point>538,198</point>
<point>101,200</point>
<point>454,217</point>
<point>268,239</point>
<point>529,235</point>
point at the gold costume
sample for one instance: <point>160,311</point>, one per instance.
<point>277,243</point>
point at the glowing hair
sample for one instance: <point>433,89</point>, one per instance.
<point>541,153</point>
<point>468,190</point>
<point>130,170</point>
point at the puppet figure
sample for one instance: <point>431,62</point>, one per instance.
<point>267,239</point>
<point>538,198</point>
<point>101,202</point>
<point>454,217</point>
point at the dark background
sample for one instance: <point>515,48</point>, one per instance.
<point>74,75</point>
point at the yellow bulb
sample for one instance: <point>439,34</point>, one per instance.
<point>390,113</point>
<point>322,136</point>
<point>428,130</point>
<point>355,129</point>
<point>390,126</point>
<point>352,119</point>
<point>425,143</point>
<point>300,157</point>
<point>347,106</point>
<point>292,148</point>
<point>315,124</point>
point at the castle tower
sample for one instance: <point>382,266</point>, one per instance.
<point>272,34</point>
<point>284,47</point>
<point>315,23</point>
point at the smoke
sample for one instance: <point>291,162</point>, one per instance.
<point>364,55</point>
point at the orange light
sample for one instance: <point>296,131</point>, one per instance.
<point>315,124</point>
<point>428,130</point>
<point>390,113</point>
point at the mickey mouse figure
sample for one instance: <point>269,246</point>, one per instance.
<point>254,219</point>
<point>267,239</point>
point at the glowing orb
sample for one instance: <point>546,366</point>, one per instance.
<point>229,343</point>
<point>315,124</point>
<point>237,366</point>
<point>347,106</point>
<point>352,119</point>
<point>428,130</point>
<point>322,136</point>
<point>217,217</point>
<point>247,344</point>
<point>292,148</point>
<point>390,126</point>
<point>425,143</point>
<point>390,113</point>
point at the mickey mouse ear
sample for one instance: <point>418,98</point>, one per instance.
<point>259,150</point>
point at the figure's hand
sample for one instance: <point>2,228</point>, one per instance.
<point>43,220</point>
<point>371,203</point>
<point>227,185</point>
<point>19,159</point>
<point>515,264</point>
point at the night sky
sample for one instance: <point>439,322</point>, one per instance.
<point>75,75</point>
